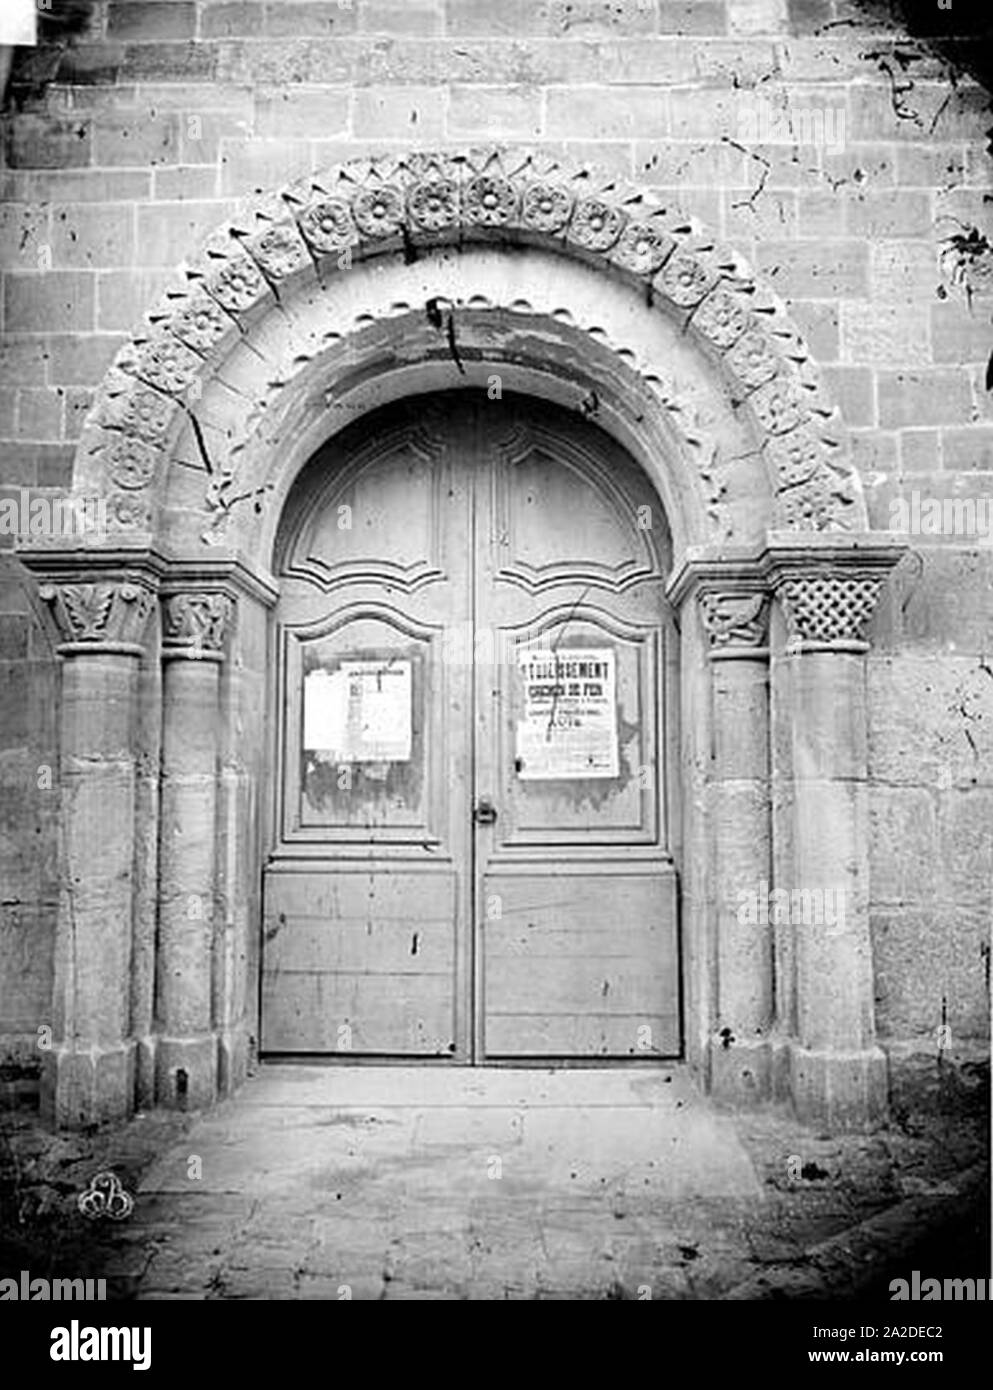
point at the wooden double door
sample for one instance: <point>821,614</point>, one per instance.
<point>469,853</point>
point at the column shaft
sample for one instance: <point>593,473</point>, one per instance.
<point>186,1066</point>
<point>740,808</point>
<point>839,1074</point>
<point>89,1075</point>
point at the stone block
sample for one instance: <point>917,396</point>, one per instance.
<point>39,413</point>
<point>817,269</point>
<point>696,17</point>
<point>88,1088</point>
<point>960,335</point>
<point>916,725</point>
<point>399,113</point>
<point>492,112</point>
<point>123,296</point>
<point>171,232</point>
<point>53,301</point>
<point>169,62</point>
<point>903,831</point>
<point>903,271</point>
<point>839,1091</point>
<point>47,142</point>
<point>142,137</point>
<point>87,235</point>
<point>888,213</point>
<point>24,237</point>
<point>314,18</point>
<point>140,21</point>
<point>920,451</point>
<point>75,360</point>
<point>249,166</point>
<point>885,335</point>
<point>853,388</point>
<point>232,19</point>
<point>968,449</point>
<point>924,397</point>
<point>186,1072</point>
<point>395,17</point>
<point>601,114</point>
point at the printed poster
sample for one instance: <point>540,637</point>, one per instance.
<point>359,713</point>
<point>569,723</point>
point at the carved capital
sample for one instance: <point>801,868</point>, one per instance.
<point>108,614</point>
<point>735,621</point>
<point>830,609</point>
<point>195,625</point>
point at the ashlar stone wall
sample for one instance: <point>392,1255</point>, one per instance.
<point>842,156</point>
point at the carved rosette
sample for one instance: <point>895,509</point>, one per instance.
<point>736,624</point>
<point>829,610</point>
<point>752,359</point>
<point>547,207</point>
<point>596,225</point>
<point>145,413</point>
<point>721,318</point>
<point>106,614</point>
<point>237,284</point>
<point>328,225</point>
<point>167,363</point>
<point>643,249</point>
<point>685,280</point>
<point>378,211</point>
<point>131,462</point>
<point>279,251</point>
<point>201,323</point>
<point>377,205</point>
<point>195,625</point>
<point>433,204</point>
<point>490,201</point>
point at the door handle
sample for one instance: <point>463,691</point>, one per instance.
<point>484,812</point>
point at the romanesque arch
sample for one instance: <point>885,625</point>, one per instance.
<point>391,277</point>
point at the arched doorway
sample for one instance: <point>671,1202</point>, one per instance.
<point>376,282</point>
<point>471,849</point>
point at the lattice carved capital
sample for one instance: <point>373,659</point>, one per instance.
<point>829,609</point>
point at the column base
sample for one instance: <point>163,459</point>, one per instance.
<point>186,1072</point>
<point>232,1060</point>
<point>88,1087</point>
<point>741,1074</point>
<point>839,1090</point>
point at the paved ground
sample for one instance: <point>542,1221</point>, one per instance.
<point>376,1183</point>
<point>413,1181</point>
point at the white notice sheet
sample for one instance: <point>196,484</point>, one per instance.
<point>359,713</point>
<point>569,724</point>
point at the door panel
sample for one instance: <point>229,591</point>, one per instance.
<point>583,958</point>
<point>360,961</point>
<point>488,625</point>
<point>577,907</point>
<point>367,918</point>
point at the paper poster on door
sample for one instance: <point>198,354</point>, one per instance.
<point>359,713</point>
<point>569,723</point>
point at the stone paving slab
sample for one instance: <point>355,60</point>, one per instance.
<point>546,1127</point>
<point>422,1183</point>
